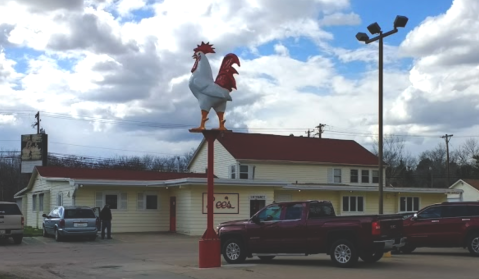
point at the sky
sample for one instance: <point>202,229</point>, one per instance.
<point>110,77</point>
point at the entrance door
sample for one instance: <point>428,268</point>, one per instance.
<point>172,214</point>
<point>255,206</point>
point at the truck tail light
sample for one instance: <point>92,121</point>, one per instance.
<point>376,228</point>
<point>23,222</point>
<point>62,223</point>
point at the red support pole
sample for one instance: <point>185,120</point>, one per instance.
<point>210,244</point>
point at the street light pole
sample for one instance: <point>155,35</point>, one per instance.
<point>374,28</point>
<point>380,97</point>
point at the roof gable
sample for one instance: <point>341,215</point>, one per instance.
<point>265,147</point>
<point>112,174</point>
<point>473,182</point>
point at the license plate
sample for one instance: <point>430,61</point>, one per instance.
<point>2,231</point>
<point>77,225</point>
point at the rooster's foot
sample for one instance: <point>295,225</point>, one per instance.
<point>222,126</point>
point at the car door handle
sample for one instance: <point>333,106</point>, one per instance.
<point>466,219</point>
<point>435,221</point>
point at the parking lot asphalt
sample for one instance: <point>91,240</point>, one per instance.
<point>173,256</point>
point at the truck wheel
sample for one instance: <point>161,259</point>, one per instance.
<point>473,244</point>
<point>372,258</point>
<point>233,251</point>
<point>17,239</point>
<point>266,258</point>
<point>407,249</point>
<point>343,253</point>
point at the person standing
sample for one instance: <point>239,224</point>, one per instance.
<point>105,216</point>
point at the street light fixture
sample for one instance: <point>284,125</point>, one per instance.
<point>374,28</point>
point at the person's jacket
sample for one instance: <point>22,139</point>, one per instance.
<point>105,214</point>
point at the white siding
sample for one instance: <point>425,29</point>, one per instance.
<point>470,193</point>
<point>50,191</point>
<point>223,160</point>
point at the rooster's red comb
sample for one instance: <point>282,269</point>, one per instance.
<point>205,48</point>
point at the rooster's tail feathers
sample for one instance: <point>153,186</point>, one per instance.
<point>225,76</point>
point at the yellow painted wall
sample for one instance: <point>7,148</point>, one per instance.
<point>132,219</point>
<point>197,220</point>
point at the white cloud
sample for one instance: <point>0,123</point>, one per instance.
<point>135,72</point>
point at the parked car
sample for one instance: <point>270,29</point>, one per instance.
<point>11,221</point>
<point>310,227</point>
<point>65,221</point>
<point>449,224</point>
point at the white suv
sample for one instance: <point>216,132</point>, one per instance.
<point>11,221</point>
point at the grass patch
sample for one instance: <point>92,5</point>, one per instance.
<point>29,232</point>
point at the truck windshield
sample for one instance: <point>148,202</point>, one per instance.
<point>9,209</point>
<point>79,213</point>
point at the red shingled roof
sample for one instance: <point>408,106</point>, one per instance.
<point>113,174</point>
<point>296,149</point>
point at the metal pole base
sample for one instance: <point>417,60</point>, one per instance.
<point>209,253</point>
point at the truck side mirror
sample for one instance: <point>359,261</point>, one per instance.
<point>255,219</point>
<point>44,215</point>
<point>414,217</point>
<point>269,218</point>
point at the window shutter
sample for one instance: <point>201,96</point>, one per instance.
<point>252,171</point>
<point>99,199</point>
<point>123,201</point>
<point>330,175</point>
<point>141,201</point>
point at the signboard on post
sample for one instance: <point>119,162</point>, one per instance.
<point>223,203</point>
<point>34,151</point>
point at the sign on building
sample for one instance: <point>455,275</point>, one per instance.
<point>223,203</point>
<point>34,151</point>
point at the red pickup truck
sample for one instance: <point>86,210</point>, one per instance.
<point>449,224</point>
<point>310,227</point>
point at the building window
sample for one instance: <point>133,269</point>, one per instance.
<point>408,204</point>
<point>112,200</point>
<point>242,172</point>
<point>375,176</point>
<point>353,204</point>
<point>115,200</point>
<point>60,199</point>
<point>365,176</point>
<point>354,176</point>
<point>34,202</point>
<point>40,202</point>
<point>337,175</point>
<point>147,201</point>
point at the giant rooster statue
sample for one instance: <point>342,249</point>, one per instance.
<point>209,92</point>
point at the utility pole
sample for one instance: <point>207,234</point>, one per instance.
<point>308,132</point>
<point>320,129</point>
<point>447,137</point>
<point>37,116</point>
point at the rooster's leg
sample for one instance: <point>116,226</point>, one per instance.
<point>204,118</point>
<point>221,120</point>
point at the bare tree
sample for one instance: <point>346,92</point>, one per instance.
<point>399,161</point>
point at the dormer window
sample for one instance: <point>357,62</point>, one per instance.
<point>242,172</point>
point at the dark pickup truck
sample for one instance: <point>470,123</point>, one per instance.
<point>310,227</point>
